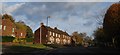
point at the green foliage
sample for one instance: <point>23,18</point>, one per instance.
<point>7,38</point>
<point>16,40</point>
<point>54,45</point>
<point>20,26</point>
<point>100,38</point>
<point>29,32</point>
<point>6,16</point>
<point>111,24</point>
<point>25,39</point>
<point>99,35</point>
<point>26,48</point>
<point>29,39</point>
<point>77,37</point>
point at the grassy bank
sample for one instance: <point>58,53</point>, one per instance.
<point>25,48</point>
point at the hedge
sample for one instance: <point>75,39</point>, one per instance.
<point>7,38</point>
<point>27,39</point>
<point>11,38</point>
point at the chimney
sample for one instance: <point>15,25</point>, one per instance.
<point>41,24</point>
<point>55,28</point>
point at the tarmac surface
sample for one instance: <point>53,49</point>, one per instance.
<point>74,51</point>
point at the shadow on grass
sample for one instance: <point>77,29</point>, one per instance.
<point>22,49</point>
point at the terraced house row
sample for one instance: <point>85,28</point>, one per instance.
<point>43,35</point>
<point>48,35</point>
<point>9,28</point>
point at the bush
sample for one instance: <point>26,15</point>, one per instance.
<point>54,45</point>
<point>7,38</point>
<point>29,39</point>
<point>15,40</point>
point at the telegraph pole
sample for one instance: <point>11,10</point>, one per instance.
<point>47,20</point>
<point>47,29</point>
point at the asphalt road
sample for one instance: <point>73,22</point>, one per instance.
<point>84,51</point>
<point>74,51</point>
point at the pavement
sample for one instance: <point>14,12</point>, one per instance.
<point>74,51</point>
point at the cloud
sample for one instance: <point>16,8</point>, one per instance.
<point>26,20</point>
<point>10,9</point>
<point>67,16</point>
<point>59,0</point>
<point>0,8</point>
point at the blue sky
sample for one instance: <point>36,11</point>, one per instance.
<point>67,16</point>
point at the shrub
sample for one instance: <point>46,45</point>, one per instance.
<point>54,45</point>
<point>15,40</point>
<point>29,39</point>
<point>7,38</point>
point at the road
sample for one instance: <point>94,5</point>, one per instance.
<point>84,51</point>
<point>75,51</point>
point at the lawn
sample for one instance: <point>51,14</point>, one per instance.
<point>33,45</point>
<point>26,48</point>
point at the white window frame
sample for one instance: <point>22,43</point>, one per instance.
<point>21,34</point>
<point>53,34</point>
<point>13,29</point>
<point>59,36</point>
<point>56,34</point>
<point>50,32</point>
<point>4,28</point>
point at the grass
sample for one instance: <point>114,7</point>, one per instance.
<point>33,45</point>
<point>26,48</point>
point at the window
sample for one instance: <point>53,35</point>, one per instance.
<point>46,35</point>
<point>50,33</point>
<point>13,30</point>
<point>21,34</point>
<point>4,28</point>
<point>52,39</point>
<point>53,34</point>
<point>0,26</point>
<point>13,35</point>
<point>59,35</point>
<point>56,34</point>
<point>57,40</point>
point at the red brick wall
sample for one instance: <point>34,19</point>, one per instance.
<point>9,29</point>
<point>44,32</point>
<point>20,33</point>
<point>43,35</point>
<point>9,26</point>
<point>37,36</point>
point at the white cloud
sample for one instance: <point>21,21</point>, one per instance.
<point>10,9</point>
<point>68,17</point>
<point>59,0</point>
<point>26,20</point>
<point>0,8</point>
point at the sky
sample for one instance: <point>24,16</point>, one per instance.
<point>66,16</point>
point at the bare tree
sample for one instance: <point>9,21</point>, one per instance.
<point>99,16</point>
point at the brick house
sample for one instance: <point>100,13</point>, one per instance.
<point>48,35</point>
<point>8,28</point>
